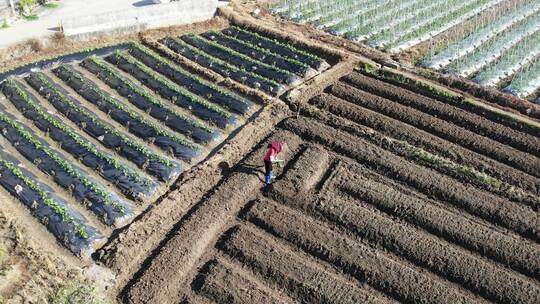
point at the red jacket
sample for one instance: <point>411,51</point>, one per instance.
<point>274,149</point>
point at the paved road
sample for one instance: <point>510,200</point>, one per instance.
<point>49,21</point>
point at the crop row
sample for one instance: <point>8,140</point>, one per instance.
<point>179,96</point>
<point>68,226</point>
<point>441,24</point>
<point>240,60</point>
<point>459,101</point>
<point>510,62</point>
<point>128,181</point>
<point>449,14</point>
<point>493,49</point>
<point>475,123</point>
<point>280,267</point>
<point>192,82</point>
<point>258,53</point>
<point>370,13</point>
<point>141,127</point>
<point>385,29</point>
<point>106,206</point>
<point>523,161</point>
<point>308,11</point>
<point>519,218</point>
<point>349,19</point>
<point>342,12</point>
<point>145,101</point>
<point>110,137</point>
<point>526,81</point>
<point>222,67</point>
<point>392,24</point>
<point>464,171</point>
<point>482,35</point>
<point>274,46</point>
<point>420,139</point>
<point>391,276</point>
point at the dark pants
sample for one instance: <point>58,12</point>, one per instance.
<point>268,172</point>
<point>267,167</point>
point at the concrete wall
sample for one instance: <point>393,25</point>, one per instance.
<point>136,19</point>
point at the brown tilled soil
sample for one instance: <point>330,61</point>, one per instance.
<point>385,196</point>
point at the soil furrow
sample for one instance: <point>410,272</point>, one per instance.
<point>449,261</point>
<point>126,251</point>
<point>382,271</point>
<point>523,256</point>
<point>196,231</point>
<point>475,123</point>
<point>519,254</point>
<point>215,280</point>
<point>514,216</point>
<point>494,105</point>
<point>304,281</point>
<point>462,173</point>
<point>523,161</point>
<point>422,139</point>
<point>195,234</point>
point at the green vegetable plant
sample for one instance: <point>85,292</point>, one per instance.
<point>139,91</point>
<point>173,87</point>
<point>132,114</point>
<point>221,62</point>
<point>126,140</point>
<point>178,69</point>
<point>65,165</point>
<point>284,45</point>
<point>57,208</point>
<point>262,50</point>
<point>245,58</point>
<point>76,137</point>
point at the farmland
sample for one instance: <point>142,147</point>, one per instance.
<point>89,144</point>
<point>386,197</point>
<point>494,43</point>
<point>142,162</point>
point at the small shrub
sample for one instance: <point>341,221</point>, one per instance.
<point>5,25</point>
<point>75,294</point>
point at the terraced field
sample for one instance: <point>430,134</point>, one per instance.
<point>388,195</point>
<point>88,145</point>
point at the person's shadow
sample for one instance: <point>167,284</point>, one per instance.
<point>251,169</point>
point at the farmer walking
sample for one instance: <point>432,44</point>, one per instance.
<point>270,158</point>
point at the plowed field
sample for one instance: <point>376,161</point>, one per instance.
<point>147,160</point>
<point>387,195</point>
